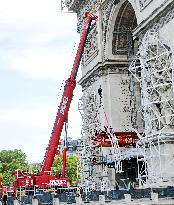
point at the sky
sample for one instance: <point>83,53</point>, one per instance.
<point>37,48</point>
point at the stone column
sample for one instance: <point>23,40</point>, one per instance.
<point>79,200</point>
<point>56,201</point>
<point>101,199</point>
<point>35,201</point>
<point>154,197</point>
<point>127,198</point>
<point>16,202</point>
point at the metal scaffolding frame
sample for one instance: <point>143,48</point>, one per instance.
<point>89,110</point>
<point>152,67</point>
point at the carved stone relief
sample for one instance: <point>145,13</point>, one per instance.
<point>158,22</point>
<point>164,19</point>
<point>91,46</point>
<point>106,10</point>
<point>74,5</point>
<point>87,6</point>
<point>144,3</point>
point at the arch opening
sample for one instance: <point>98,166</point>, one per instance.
<point>122,43</point>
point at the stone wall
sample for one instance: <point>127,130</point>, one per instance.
<point>111,46</point>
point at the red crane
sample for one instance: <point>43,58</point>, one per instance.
<point>44,178</point>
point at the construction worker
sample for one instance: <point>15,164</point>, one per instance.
<point>100,95</point>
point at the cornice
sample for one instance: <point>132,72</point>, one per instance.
<point>103,69</point>
<point>73,5</point>
<point>160,16</point>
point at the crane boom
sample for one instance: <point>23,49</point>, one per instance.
<point>67,96</point>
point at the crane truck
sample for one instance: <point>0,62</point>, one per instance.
<point>44,178</point>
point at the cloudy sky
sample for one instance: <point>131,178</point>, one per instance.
<point>36,55</point>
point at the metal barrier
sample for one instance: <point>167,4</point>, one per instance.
<point>69,196</point>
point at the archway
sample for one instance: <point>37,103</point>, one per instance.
<point>125,22</point>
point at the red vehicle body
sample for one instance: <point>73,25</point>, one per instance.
<point>44,178</point>
<point>124,138</point>
<point>8,190</point>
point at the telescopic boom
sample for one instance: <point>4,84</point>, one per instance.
<point>67,96</point>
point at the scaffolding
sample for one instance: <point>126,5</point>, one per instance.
<point>89,110</point>
<point>97,161</point>
<point>152,67</point>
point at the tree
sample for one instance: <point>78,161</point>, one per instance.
<point>71,167</point>
<point>10,160</point>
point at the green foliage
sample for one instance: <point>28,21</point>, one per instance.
<point>34,167</point>
<point>71,167</point>
<point>10,160</point>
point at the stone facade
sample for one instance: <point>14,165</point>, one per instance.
<point>112,44</point>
